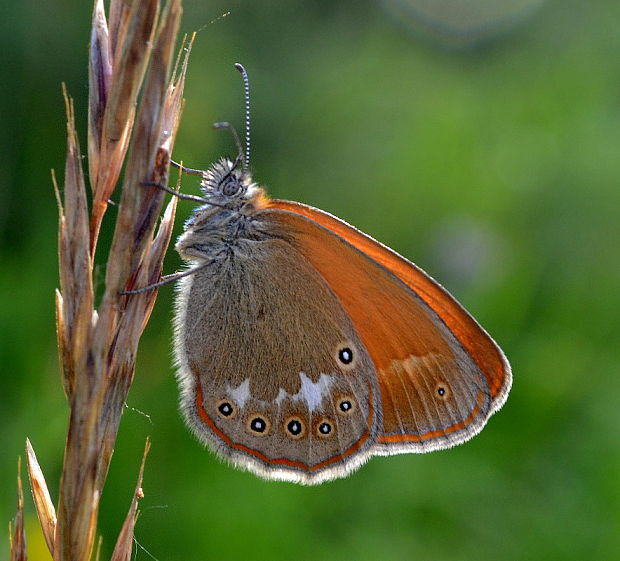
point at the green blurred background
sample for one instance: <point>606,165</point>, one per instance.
<point>483,147</point>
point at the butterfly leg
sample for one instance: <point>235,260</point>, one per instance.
<point>166,279</point>
<point>167,189</point>
<point>186,170</point>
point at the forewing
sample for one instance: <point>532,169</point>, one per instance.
<point>440,375</point>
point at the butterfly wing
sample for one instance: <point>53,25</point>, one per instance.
<point>272,372</point>
<point>440,375</point>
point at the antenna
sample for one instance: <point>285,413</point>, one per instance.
<point>235,136</point>
<point>246,88</point>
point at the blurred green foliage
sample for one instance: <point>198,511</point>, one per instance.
<point>493,167</point>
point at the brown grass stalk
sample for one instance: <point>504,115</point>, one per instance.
<point>17,534</point>
<point>124,543</point>
<point>134,108</point>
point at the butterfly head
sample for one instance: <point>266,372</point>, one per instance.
<point>226,183</point>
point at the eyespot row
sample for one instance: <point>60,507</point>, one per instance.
<point>294,426</point>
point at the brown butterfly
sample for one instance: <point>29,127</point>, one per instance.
<point>304,346</point>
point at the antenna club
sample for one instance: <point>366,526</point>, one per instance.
<point>240,67</point>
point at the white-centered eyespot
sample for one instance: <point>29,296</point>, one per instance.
<point>345,405</point>
<point>226,408</point>
<point>325,428</point>
<point>346,355</point>
<point>442,391</point>
<point>258,424</point>
<point>295,427</point>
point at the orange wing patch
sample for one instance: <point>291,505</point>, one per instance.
<point>476,341</point>
<point>391,321</point>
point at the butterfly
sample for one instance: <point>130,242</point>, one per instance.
<point>304,347</point>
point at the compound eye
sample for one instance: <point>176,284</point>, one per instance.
<point>231,186</point>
